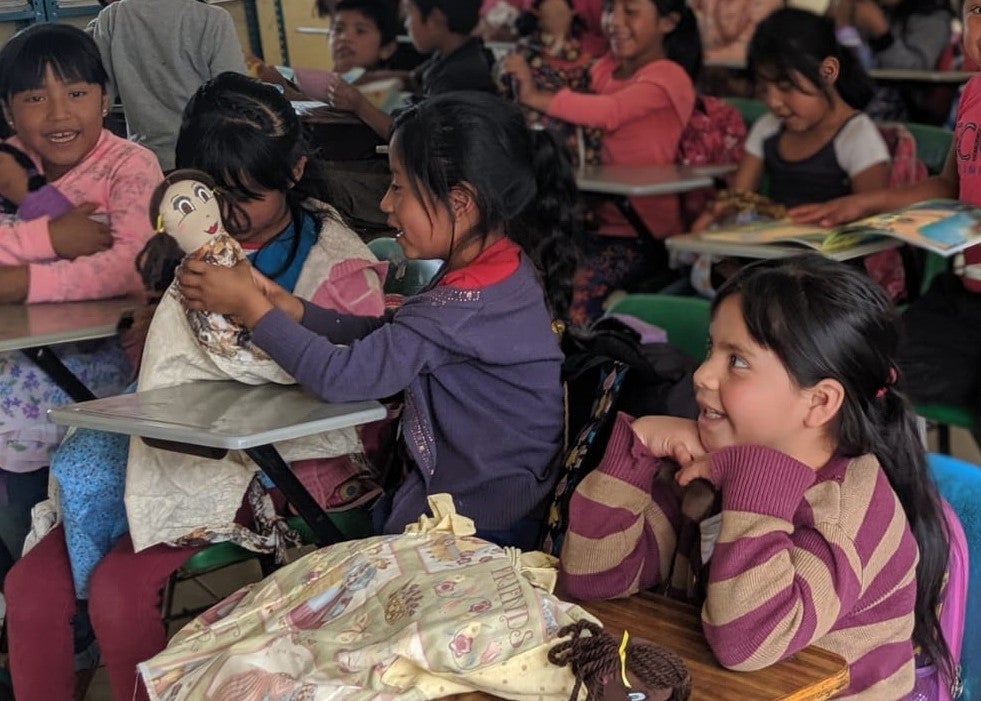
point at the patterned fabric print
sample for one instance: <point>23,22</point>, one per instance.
<point>26,393</point>
<point>428,614</point>
<point>570,70</point>
<point>609,263</point>
<point>272,533</point>
<point>90,468</point>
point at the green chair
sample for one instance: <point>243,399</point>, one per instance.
<point>944,416</point>
<point>685,319</point>
<point>405,277</point>
<point>932,144</point>
<point>750,108</point>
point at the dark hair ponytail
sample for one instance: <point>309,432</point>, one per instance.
<point>521,180</point>
<point>824,319</point>
<point>683,44</point>
<point>790,41</point>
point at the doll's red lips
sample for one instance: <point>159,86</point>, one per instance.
<point>213,228</point>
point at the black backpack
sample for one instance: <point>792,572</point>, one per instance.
<point>606,370</point>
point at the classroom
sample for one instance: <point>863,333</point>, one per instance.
<point>490,349</point>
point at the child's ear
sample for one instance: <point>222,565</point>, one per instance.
<point>463,206</point>
<point>8,115</point>
<point>298,169</point>
<point>667,23</point>
<point>105,104</point>
<point>387,50</point>
<point>829,70</point>
<point>826,398</point>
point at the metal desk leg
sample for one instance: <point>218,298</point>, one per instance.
<point>272,463</point>
<point>51,364</point>
<point>655,250</point>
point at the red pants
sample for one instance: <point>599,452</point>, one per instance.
<point>124,600</point>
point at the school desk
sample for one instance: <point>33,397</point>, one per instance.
<point>34,328</point>
<point>620,182</point>
<point>337,135</point>
<point>911,75</point>
<point>694,243</point>
<point>813,674</point>
<point>210,418</point>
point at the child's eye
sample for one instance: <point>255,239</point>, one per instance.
<point>736,362</point>
<point>77,93</point>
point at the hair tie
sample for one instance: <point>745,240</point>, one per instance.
<point>890,381</point>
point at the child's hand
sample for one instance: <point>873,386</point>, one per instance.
<point>670,437</point>
<point>342,96</point>
<point>75,233</point>
<point>231,291</point>
<point>517,67</point>
<point>278,296</point>
<point>703,221</point>
<point>13,179</point>
<point>833,212</point>
<point>698,468</point>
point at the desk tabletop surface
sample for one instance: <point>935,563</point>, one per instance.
<point>223,414</point>
<point>813,674</point>
<point>31,325</point>
<point>694,243</point>
<point>920,76</point>
<point>647,180</point>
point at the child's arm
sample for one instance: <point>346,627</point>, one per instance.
<point>852,207</point>
<point>747,178</point>
<point>773,589</point>
<point>623,522</point>
<point>664,89</point>
<point>111,272</point>
<point>349,99</point>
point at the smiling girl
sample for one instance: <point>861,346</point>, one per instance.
<point>52,87</point>
<point>642,98</point>
<point>830,532</point>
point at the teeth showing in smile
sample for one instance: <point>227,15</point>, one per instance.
<point>712,414</point>
<point>62,136</point>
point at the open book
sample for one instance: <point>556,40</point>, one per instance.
<point>942,226</point>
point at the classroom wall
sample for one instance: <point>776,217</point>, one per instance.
<point>306,50</point>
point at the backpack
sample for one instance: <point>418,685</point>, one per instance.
<point>607,370</point>
<point>715,135</point>
<point>953,609</point>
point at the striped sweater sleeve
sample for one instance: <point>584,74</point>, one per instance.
<point>623,522</point>
<point>773,589</point>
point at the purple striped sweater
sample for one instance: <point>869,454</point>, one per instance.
<point>804,557</point>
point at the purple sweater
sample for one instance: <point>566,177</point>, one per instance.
<point>804,557</point>
<point>483,396</point>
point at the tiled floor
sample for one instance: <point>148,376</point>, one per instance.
<point>226,581</point>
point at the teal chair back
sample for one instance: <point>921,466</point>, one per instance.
<point>932,144</point>
<point>405,277</point>
<point>959,483</point>
<point>685,319</point>
<point>749,108</point>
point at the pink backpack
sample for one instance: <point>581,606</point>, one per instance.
<point>715,135</point>
<point>953,607</point>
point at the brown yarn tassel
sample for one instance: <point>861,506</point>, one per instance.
<point>595,662</point>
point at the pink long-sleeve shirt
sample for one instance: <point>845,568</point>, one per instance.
<point>642,118</point>
<point>118,176</point>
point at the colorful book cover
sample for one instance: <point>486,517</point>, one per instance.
<point>942,226</point>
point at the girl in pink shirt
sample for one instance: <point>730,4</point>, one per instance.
<point>52,86</point>
<point>644,97</point>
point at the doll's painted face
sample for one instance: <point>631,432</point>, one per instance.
<point>555,18</point>
<point>190,213</point>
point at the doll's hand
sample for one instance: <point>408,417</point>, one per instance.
<point>670,437</point>
<point>214,288</point>
<point>698,468</point>
<point>278,296</point>
<point>13,179</point>
<point>76,234</point>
